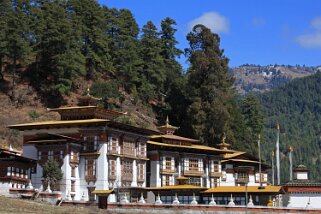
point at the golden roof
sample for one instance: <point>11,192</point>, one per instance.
<point>102,192</point>
<point>243,189</point>
<point>173,137</point>
<point>176,187</point>
<point>71,108</point>
<point>241,160</point>
<point>55,123</point>
<point>193,146</point>
<point>234,154</point>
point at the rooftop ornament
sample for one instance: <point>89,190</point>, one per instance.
<point>212,202</point>
<point>176,201</point>
<point>231,203</point>
<point>158,200</point>
<point>142,200</point>
<point>250,204</point>
<point>194,202</point>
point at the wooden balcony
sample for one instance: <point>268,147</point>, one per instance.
<point>127,177</point>
<point>215,174</point>
<point>193,173</point>
<point>140,180</point>
<point>242,180</point>
<point>168,171</point>
<point>112,152</point>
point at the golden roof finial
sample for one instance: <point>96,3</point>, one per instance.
<point>223,138</point>
<point>278,126</point>
<point>88,90</point>
<point>290,148</point>
<point>167,121</point>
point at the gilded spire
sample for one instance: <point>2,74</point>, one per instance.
<point>167,128</point>
<point>167,121</point>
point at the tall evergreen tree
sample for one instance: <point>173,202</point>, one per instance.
<point>123,31</point>
<point>59,60</point>
<point>209,87</point>
<point>5,8</point>
<point>173,96</point>
<point>94,40</point>
<point>17,37</point>
<point>153,70</point>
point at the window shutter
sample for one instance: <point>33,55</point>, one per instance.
<point>164,163</point>
<point>172,163</point>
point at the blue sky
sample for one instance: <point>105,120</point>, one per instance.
<point>252,31</point>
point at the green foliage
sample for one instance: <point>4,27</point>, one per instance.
<point>34,114</point>
<point>52,172</point>
<point>125,119</point>
<point>209,87</point>
<point>108,91</point>
<point>297,108</point>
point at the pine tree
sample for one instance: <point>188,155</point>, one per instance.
<point>17,37</point>
<point>52,172</point>
<point>153,70</point>
<point>123,31</point>
<point>5,7</point>
<point>173,96</point>
<point>91,20</point>
<point>209,87</point>
<point>57,43</point>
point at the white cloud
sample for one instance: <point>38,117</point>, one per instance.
<point>311,40</point>
<point>316,23</point>
<point>213,20</point>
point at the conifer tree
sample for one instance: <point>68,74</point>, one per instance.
<point>173,98</point>
<point>5,7</point>
<point>123,31</point>
<point>209,87</point>
<point>17,37</point>
<point>153,70</point>
<point>59,60</point>
<point>94,41</point>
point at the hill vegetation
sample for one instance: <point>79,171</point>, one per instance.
<point>297,107</point>
<point>258,78</point>
<point>57,48</point>
<point>52,50</point>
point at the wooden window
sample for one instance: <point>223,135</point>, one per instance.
<point>90,168</point>
<point>91,143</point>
<point>195,181</point>
<point>128,148</point>
<point>141,171</point>
<point>50,155</point>
<point>142,149</point>
<point>73,171</point>
<point>73,186</point>
<point>112,169</point>
<point>127,170</point>
<point>214,166</point>
<point>166,180</point>
<point>39,155</point>
<point>193,164</point>
<point>214,182</point>
<point>168,163</point>
<point>113,145</point>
